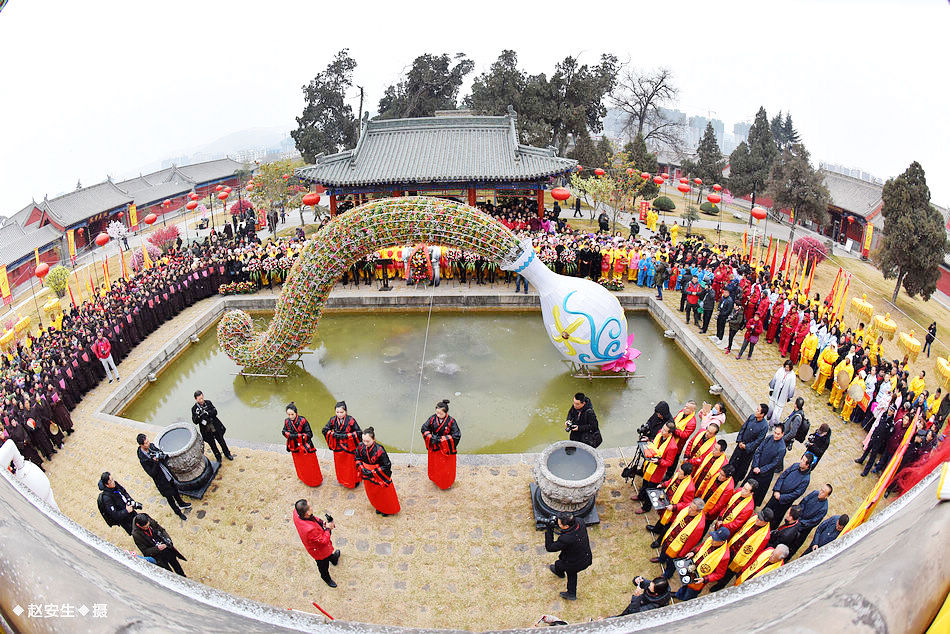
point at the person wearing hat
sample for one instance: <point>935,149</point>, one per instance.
<point>710,562</point>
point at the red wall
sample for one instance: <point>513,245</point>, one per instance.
<point>22,273</point>
<point>943,284</point>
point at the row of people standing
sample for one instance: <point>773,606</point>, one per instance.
<point>359,458</point>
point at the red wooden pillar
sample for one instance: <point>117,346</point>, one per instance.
<point>541,204</point>
<point>332,205</point>
<point>471,196</point>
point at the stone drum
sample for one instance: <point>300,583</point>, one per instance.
<point>568,476</point>
<point>186,459</point>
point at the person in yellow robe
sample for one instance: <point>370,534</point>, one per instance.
<point>674,233</point>
<point>834,400</point>
<point>933,403</point>
<point>826,363</point>
<point>849,403</point>
<point>619,262</point>
<point>917,384</point>
<point>808,350</point>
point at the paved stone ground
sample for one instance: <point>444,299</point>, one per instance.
<point>468,557</point>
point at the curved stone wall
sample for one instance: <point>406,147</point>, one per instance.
<point>890,575</point>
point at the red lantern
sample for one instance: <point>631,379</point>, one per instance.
<point>82,230</point>
<point>850,220</point>
<point>101,239</point>
<point>285,176</point>
<point>698,181</point>
<point>227,189</point>
<point>683,187</point>
<point>645,175</point>
<point>580,168</point>
<point>684,181</point>
<point>599,172</point>
<point>219,188</point>
<point>311,199</point>
<point>714,198</point>
<point>193,196</point>
<point>560,193</point>
<point>166,203</point>
<point>717,187</point>
<point>758,213</point>
<point>42,270</point>
<point>223,196</point>
<point>250,187</point>
<point>151,218</point>
<point>665,176</point>
<point>658,180</point>
<point>191,205</point>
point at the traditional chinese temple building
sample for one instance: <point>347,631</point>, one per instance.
<point>44,227</point>
<point>455,154</point>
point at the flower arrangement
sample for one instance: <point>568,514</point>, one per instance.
<point>336,247</point>
<point>611,284</point>
<point>569,260</point>
<point>236,288</point>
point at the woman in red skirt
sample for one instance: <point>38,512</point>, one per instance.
<point>343,435</point>
<point>376,470</point>
<point>442,435</point>
<point>300,445</point>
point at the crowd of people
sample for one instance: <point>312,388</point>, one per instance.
<point>730,517</point>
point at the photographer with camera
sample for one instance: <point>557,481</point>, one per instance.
<point>574,548</point>
<point>154,542</point>
<point>205,415</point>
<point>648,595</point>
<point>315,535</point>
<point>152,460</point>
<point>115,504</point>
<point>582,422</point>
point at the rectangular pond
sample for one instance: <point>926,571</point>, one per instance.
<point>507,385</point>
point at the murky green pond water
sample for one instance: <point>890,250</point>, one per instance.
<point>508,388</point>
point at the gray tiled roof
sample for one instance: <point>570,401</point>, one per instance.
<point>76,206</point>
<point>134,185</point>
<point>17,242</point>
<point>21,216</point>
<point>436,150</point>
<point>210,170</point>
<point>852,194</point>
<point>156,193</point>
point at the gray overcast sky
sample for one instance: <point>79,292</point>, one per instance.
<point>90,88</point>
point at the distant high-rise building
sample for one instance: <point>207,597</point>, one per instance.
<point>741,130</point>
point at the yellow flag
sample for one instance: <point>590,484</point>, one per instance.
<point>36,254</point>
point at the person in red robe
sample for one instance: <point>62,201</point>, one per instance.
<point>343,435</point>
<point>775,318</point>
<point>804,326</point>
<point>442,435</point>
<point>300,444</point>
<point>763,308</point>
<point>376,470</point>
<point>753,302</point>
<point>789,326</point>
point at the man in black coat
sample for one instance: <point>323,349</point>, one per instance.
<point>205,416</point>
<point>582,422</point>
<point>574,547</point>
<point>725,309</point>
<point>648,595</point>
<point>115,504</point>
<point>150,457</point>
<point>154,542</point>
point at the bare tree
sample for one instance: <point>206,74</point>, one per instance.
<point>640,95</point>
